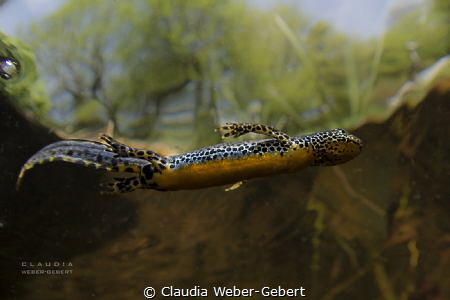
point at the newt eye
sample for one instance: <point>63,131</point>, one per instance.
<point>9,68</point>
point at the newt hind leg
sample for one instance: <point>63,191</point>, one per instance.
<point>158,161</point>
<point>238,129</point>
<point>121,185</point>
<point>145,180</point>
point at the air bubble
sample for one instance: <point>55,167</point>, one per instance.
<point>9,68</point>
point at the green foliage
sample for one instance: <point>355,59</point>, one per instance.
<point>430,36</point>
<point>75,47</point>
<point>89,114</point>
<point>25,89</point>
<point>222,60</point>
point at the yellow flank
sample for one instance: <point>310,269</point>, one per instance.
<point>228,171</point>
<point>221,164</point>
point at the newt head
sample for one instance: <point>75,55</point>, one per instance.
<point>335,147</point>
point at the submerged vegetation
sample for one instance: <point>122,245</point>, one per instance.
<point>24,84</point>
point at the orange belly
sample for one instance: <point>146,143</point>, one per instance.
<point>229,171</point>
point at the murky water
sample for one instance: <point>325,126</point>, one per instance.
<point>372,226</point>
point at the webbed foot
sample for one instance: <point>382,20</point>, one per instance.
<point>123,150</point>
<point>115,146</point>
<point>235,186</point>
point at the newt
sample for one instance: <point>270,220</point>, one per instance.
<point>221,164</point>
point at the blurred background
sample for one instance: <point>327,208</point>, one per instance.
<point>162,74</point>
<point>171,69</point>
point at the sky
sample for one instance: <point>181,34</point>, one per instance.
<point>358,17</point>
<point>16,13</point>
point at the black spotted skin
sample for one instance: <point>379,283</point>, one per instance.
<point>86,153</point>
<point>321,142</point>
<point>219,164</point>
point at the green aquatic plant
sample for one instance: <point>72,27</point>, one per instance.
<point>22,82</point>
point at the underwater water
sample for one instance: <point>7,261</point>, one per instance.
<point>163,76</point>
<point>373,226</point>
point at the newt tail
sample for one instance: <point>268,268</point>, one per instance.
<point>86,153</point>
<point>220,164</point>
